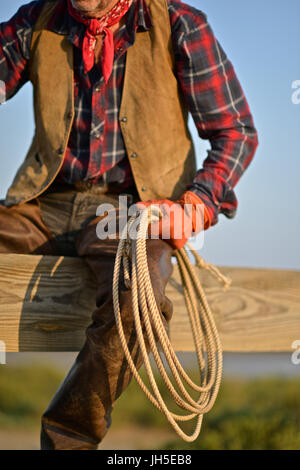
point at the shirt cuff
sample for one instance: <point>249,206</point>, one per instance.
<point>216,194</point>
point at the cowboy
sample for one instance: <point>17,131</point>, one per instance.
<point>114,82</point>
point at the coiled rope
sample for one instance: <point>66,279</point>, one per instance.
<point>133,255</point>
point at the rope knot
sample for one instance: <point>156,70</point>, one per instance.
<point>214,271</point>
<point>201,263</point>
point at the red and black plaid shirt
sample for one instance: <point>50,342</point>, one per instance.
<point>96,150</point>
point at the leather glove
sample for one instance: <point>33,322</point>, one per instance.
<point>180,219</point>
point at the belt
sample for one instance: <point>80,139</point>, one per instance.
<point>94,188</point>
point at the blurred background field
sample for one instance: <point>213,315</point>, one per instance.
<point>254,409</point>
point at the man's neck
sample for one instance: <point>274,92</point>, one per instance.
<point>98,12</point>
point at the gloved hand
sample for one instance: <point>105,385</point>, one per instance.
<point>180,219</point>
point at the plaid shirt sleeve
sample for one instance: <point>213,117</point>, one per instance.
<point>218,106</point>
<point>15,39</point>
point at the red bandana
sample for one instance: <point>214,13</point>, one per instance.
<point>95,27</point>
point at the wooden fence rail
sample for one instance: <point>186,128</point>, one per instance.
<point>46,304</point>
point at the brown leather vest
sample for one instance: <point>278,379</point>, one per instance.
<point>153,116</point>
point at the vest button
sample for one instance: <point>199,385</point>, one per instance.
<point>60,150</point>
<point>143,188</point>
<point>69,115</point>
<point>133,155</point>
<point>124,119</point>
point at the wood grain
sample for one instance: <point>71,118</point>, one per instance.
<point>46,304</point>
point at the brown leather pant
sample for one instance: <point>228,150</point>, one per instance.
<point>64,223</point>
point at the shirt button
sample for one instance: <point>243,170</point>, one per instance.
<point>97,89</point>
<point>124,119</point>
<point>143,188</point>
<point>98,136</point>
<point>133,155</point>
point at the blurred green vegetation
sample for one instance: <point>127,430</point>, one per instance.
<point>25,392</point>
<point>252,414</point>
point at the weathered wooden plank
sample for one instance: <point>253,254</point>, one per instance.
<point>46,304</point>
<point>260,312</point>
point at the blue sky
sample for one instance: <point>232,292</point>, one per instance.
<point>262,39</point>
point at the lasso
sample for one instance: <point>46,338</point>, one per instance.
<point>132,254</point>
